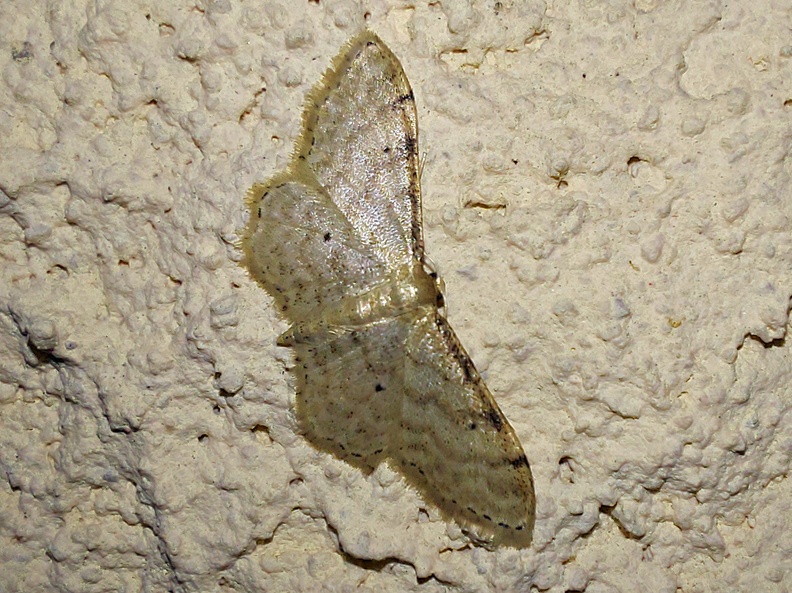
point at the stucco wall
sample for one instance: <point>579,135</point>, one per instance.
<point>606,195</point>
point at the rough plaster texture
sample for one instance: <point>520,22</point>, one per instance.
<point>607,195</point>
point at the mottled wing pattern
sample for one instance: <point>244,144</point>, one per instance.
<point>455,445</point>
<point>349,390</point>
<point>361,142</point>
<point>303,250</point>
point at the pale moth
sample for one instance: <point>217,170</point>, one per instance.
<point>337,240</point>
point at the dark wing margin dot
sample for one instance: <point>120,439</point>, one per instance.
<point>521,461</point>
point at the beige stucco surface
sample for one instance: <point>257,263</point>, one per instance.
<point>606,195</point>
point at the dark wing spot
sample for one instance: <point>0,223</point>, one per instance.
<point>467,368</point>
<point>378,388</point>
<point>410,144</point>
<point>522,460</point>
<point>328,236</point>
<point>405,97</point>
<point>494,419</point>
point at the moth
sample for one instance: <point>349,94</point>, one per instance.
<point>336,239</point>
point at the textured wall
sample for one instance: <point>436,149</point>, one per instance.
<point>606,194</point>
